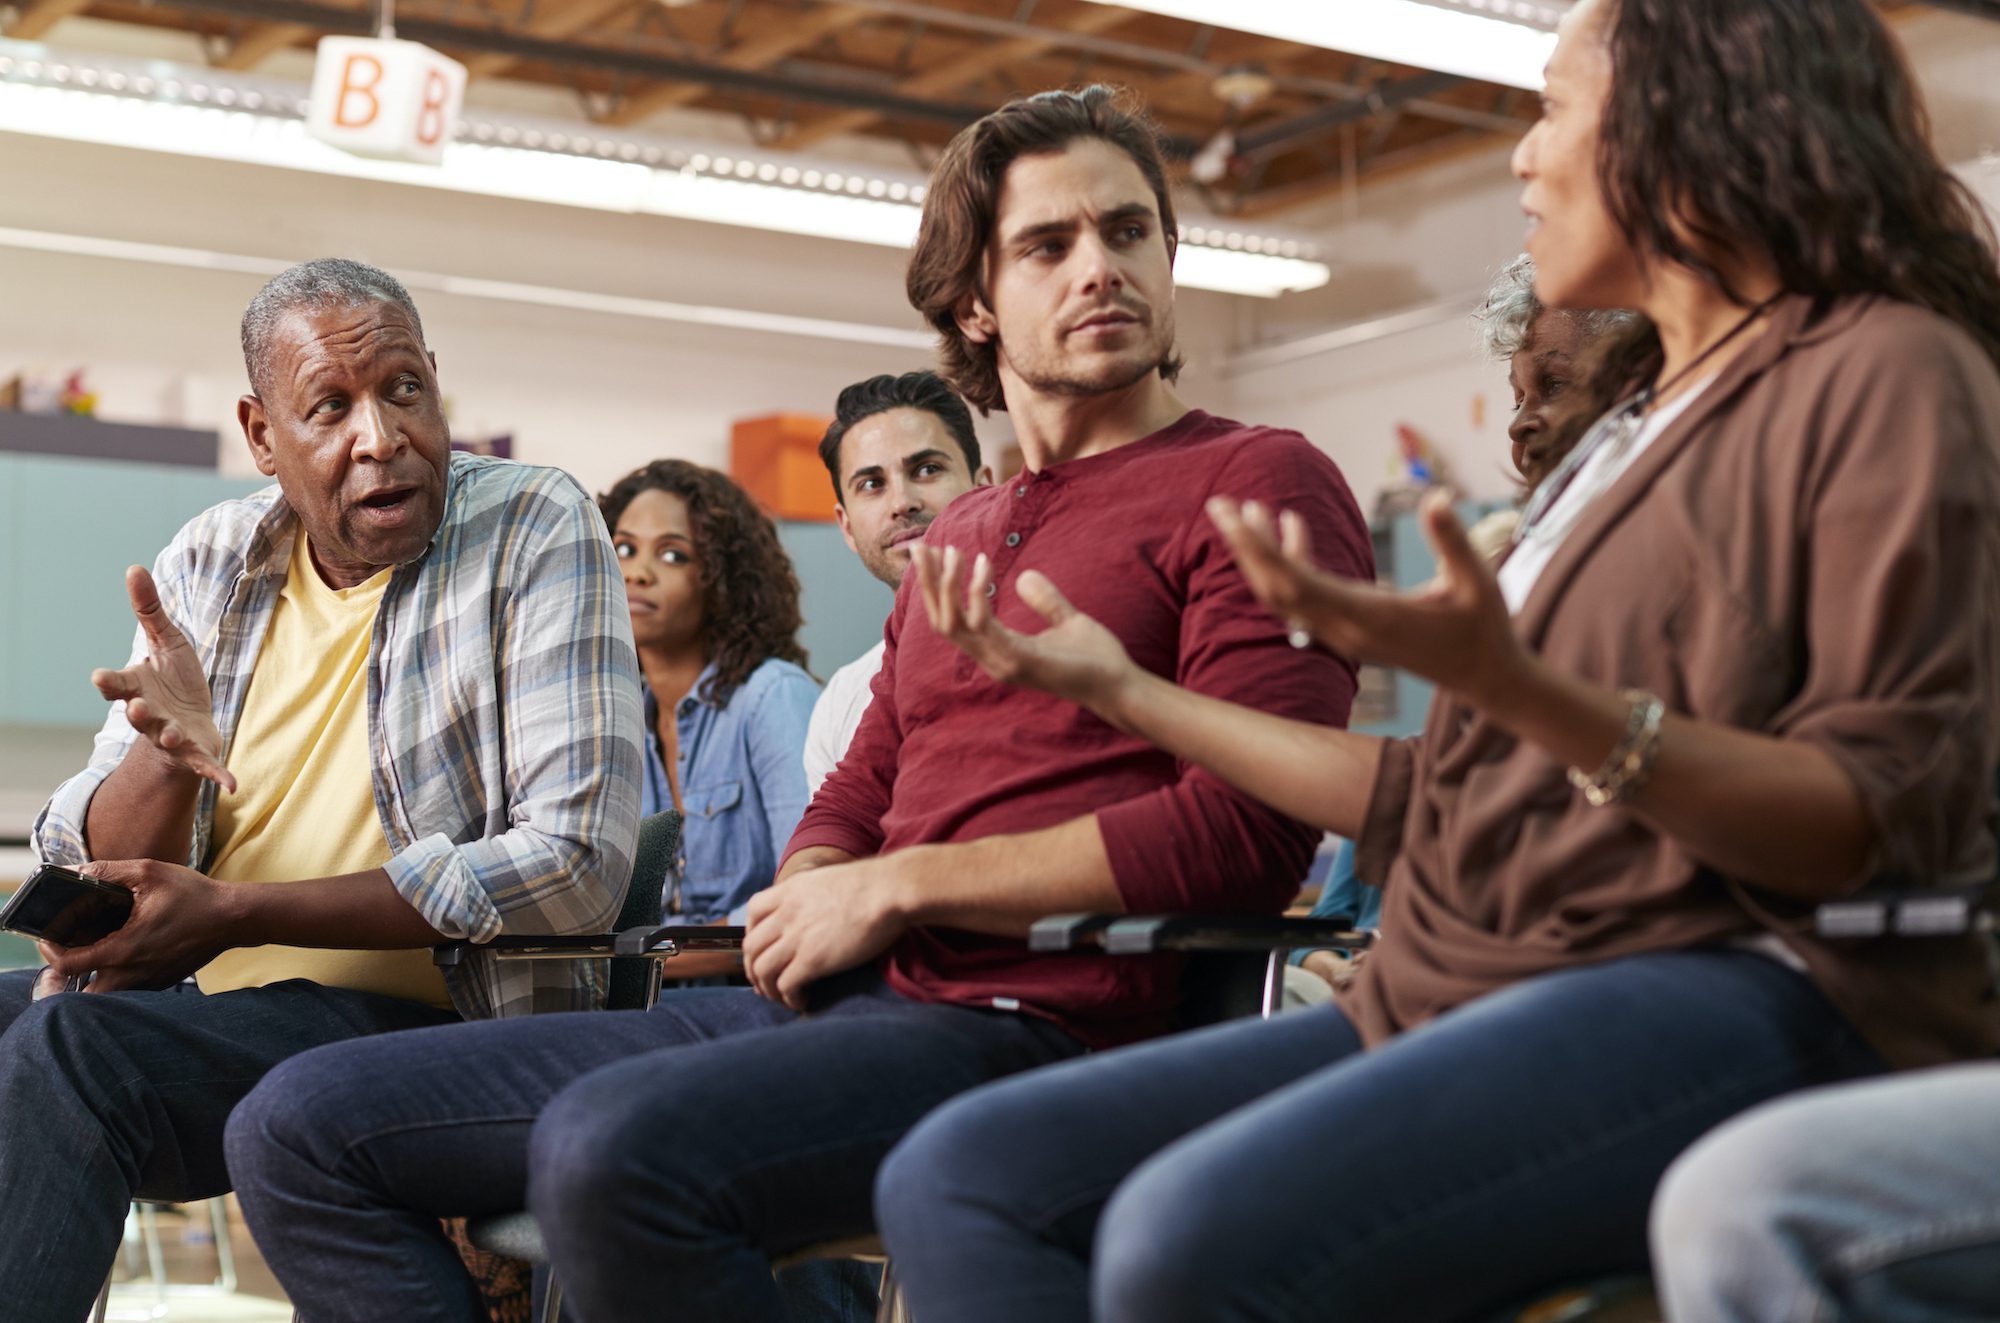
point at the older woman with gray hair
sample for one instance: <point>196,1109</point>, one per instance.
<point>1543,349</point>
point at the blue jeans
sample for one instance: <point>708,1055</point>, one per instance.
<point>1272,1170</point>
<point>104,1096</point>
<point>669,1154</point>
<point>1876,1201</point>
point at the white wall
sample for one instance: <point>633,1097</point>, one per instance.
<point>593,392</point>
<point>598,393</point>
<point>1350,402</point>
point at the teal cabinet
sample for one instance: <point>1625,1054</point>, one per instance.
<point>68,529</point>
<point>1403,558</point>
<point>844,605</point>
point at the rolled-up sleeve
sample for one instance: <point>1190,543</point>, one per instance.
<point>59,835</point>
<point>1198,844</point>
<point>1903,602</point>
<point>1381,838</point>
<point>569,725</point>
<point>776,733</point>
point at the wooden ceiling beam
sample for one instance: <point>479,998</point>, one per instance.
<point>552,21</point>
<point>1390,165</point>
<point>261,42</point>
<point>955,74</point>
<point>752,53</point>
<point>42,15</point>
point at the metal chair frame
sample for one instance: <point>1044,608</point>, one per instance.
<point>145,1212</point>
<point>515,1234</point>
<point>1227,936</point>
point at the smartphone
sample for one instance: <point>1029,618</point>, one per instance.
<point>63,906</point>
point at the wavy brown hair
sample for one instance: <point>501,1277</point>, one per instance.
<point>749,593</point>
<point>964,197</point>
<point>1790,130</point>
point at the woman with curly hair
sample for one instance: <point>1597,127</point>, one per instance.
<point>715,618</point>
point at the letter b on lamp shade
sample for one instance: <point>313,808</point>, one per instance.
<point>395,100</point>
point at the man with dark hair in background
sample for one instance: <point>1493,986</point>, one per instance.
<point>670,1155</point>
<point>304,782</point>
<point>899,450</point>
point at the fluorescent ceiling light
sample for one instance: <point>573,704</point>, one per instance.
<point>504,291</point>
<point>1423,36</point>
<point>202,113</point>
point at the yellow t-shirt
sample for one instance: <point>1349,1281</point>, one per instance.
<point>305,802</point>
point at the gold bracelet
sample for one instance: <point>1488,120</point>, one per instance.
<point>1630,764</point>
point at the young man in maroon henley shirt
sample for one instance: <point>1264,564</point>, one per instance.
<point>673,1153</point>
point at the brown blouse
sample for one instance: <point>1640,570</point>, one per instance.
<point>1811,550</point>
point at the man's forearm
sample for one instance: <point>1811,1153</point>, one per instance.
<point>813,856</point>
<point>144,809</point>
<point>356,911</point>
<point>1002,884</point>
<point>1320,775</point>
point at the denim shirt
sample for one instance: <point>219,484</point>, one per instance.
<point>743,788</point>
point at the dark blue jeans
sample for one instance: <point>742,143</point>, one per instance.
<point>107,1096</point>
<point>668,1154</point>
<point>1272,1170</point>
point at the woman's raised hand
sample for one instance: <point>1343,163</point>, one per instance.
<point>1454,631</point>
<point>1074,658</point>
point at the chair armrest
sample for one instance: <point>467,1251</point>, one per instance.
<point>1126,934</point>
<point>1929,912</point>
<point>1068,932</point>
<point>653,941</point>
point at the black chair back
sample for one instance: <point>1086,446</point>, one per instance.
<point>659,840</point>
<point>1217,986</point>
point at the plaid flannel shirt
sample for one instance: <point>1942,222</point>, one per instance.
<point>503,710</point>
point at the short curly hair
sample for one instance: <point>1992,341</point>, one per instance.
<point>749,592</point>
<point>1510,309</point>
<point>318,285</point>
<point>913,390</point>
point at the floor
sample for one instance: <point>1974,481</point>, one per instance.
<point>190,1265</point>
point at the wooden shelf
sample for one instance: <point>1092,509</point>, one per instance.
<point>92,438</point>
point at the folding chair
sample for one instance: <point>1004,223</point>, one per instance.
<point>638,951</point>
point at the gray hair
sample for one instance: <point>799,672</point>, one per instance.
<point>323,283</point>
<point>1508,312</point>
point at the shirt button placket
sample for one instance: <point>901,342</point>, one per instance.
<point>1003,563</point>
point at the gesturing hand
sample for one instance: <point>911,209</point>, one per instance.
<point>177,926</point>
<point>166,693</point>
<point>1454,631</point>
<point>1074,658</point>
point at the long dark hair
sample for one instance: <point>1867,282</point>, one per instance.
<point>749,594</point>
<point>1793,130</point>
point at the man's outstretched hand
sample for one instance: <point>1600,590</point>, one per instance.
<point>1454,631</point>
<point>1074,658</point>
<point>166,692</point>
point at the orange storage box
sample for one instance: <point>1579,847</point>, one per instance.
<point>776,458</point>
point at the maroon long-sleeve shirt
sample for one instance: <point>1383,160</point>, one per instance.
<point>946,754</point>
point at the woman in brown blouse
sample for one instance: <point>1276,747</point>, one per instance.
<point>1742,658</point>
